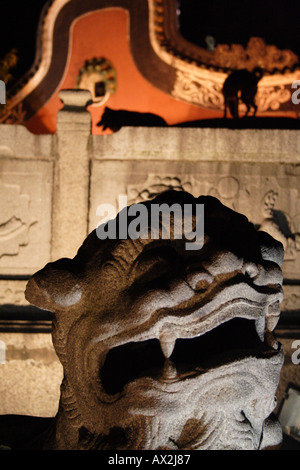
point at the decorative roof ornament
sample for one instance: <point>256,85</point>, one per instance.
<point>256,54</point>
<point>99,77</point>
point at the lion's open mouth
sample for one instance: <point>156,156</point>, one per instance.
<point>230,341</point>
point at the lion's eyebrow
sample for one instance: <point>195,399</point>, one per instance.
<point>128,249</point>
<point>125,253</point>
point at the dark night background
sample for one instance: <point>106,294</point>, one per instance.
<point>233,21</point>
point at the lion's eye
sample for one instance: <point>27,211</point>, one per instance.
<point>150,268</point>
<point>156,264</point>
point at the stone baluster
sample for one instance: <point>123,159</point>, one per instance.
<point>71,183</point>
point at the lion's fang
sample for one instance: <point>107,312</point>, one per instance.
<point>167,344</point>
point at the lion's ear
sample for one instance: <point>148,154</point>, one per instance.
<point>54,287</point>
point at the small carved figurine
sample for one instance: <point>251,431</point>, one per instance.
<point>241,85</point>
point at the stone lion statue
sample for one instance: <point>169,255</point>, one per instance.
<point>165,348</point>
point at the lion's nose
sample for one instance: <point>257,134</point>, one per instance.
<point>199,280</point>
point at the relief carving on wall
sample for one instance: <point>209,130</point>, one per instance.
<point>291,300</point>
<point>271,97</point>
<point>25,220</point>
<point>204,92</point>
<point>280,225</point>
<point>275,210</point>
<point>12,292</point>
<point>194,89</point>
<point>15,219</point>
<point>155,185</point>
<point>279,213</point>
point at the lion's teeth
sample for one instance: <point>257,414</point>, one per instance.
<point>169,371</point>
<point>167,344</point>
<point>260,324</point>
<point>273,314</point>
<point>271,341</point>
<point>271,322</point>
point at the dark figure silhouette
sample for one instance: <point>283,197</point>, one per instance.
<point>114,119</point>
<point>241,85</point>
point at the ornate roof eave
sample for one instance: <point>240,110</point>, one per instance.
<point>43,79</point>
<point>168,42</point>
<point>199,76</point>
<point>43,56</point>
<point>174,65</point>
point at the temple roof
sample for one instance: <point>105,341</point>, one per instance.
<point>165,59</point>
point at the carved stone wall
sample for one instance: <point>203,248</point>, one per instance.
<point>255,177</point>
<point>25,188</point>
<point>51,187</point>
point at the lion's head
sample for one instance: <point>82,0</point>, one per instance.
<point>164,347</point>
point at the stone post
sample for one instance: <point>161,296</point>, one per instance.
<point>71,182</point>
